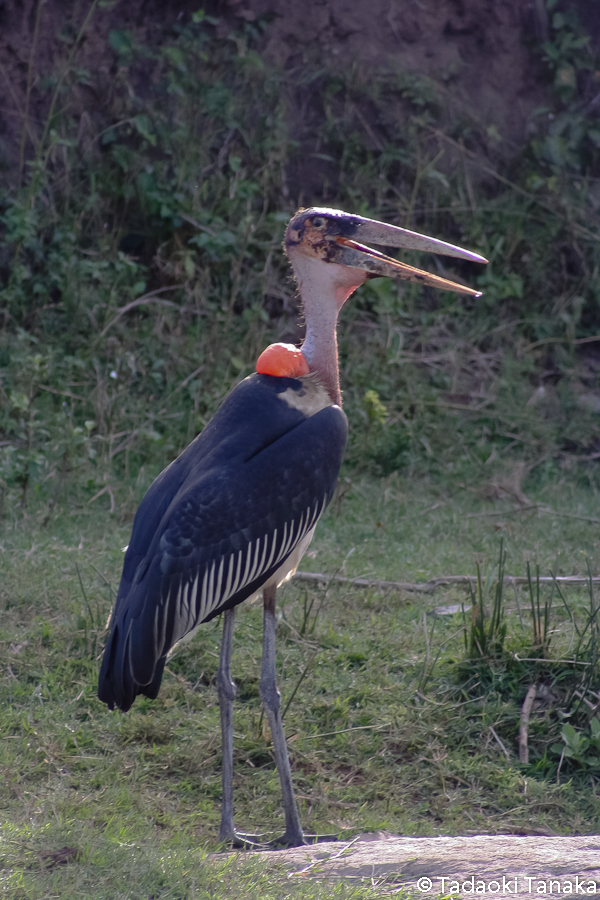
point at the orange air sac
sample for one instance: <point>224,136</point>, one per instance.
<point>283,361</point>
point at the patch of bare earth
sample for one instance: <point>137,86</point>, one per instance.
<point>486,865</point>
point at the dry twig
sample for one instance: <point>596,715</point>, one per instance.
<point>427,587</point>
<point>499,742</point>
<point>524,724</point>
<point>142,301</point>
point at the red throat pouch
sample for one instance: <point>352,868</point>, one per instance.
<point>283,361</point>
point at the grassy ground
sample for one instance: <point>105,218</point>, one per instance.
<point>384,733</point>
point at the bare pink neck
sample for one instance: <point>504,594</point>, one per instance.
<point>324,288</point>
<point>321,307</point>
<point>320,352</point>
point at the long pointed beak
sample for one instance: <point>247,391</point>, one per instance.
<point>371,231</point>
<point>359,256</point>
<point>338,237</point>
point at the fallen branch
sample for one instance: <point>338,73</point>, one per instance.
<point>503,512</point>
<point>105,490</point>
<point>553,512</point>
<point>545,510</point>
<point>561,661</point>
<point>427,587</point>
<point>524,725</point>
<point>142,301</point>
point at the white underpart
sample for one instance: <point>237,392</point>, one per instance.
<point>259,558</point>
<point>288,569</point>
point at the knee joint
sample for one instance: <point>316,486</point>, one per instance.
<point>270,695</point>
<point>226,686</point>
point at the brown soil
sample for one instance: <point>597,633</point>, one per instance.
<point>479,49</point>
<point>485,52</point>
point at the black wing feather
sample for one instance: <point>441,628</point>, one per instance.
<point>260,472</point>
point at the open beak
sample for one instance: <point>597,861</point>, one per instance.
<point>338,237</point>
<point>361,257</point>
<point>353,252</point>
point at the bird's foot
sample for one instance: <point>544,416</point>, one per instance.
<point>239,840</point>
<point>288,840</point>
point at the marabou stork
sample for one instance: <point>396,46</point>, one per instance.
<point>232,516</point>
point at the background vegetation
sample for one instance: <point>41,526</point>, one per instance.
<point>142,273</point>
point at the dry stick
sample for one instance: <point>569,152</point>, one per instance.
<point>147,298</point>
<point>547,662</point>
<point>500,744</point>
<point>312,737</point>
<point>124,444</point>
<point>503,512</point>
<point>545,510</point>
<point>524,723</point>
<point>65,71</point>
<point>553,512</point>
<point>25,130</point>
<point>185,381</point>
<point>427,587</point>
<point>105,580</point>
<point>196,224</point>
<point>368,128</point>
<point>105,490</point>
<point>426,664</point>
<point>561,340</point>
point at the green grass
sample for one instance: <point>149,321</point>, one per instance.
<point>414,529</point>
<point>382,734</point>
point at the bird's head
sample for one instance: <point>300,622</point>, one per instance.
<point>330,245</point>
<point>331,259</point>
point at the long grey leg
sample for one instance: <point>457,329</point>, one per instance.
<point>271,699</point>
<point>227,692</point>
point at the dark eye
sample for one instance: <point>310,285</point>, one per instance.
<point>318,222</point>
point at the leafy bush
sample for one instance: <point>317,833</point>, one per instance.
<point>141,268</point>
<point>576,747</point>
